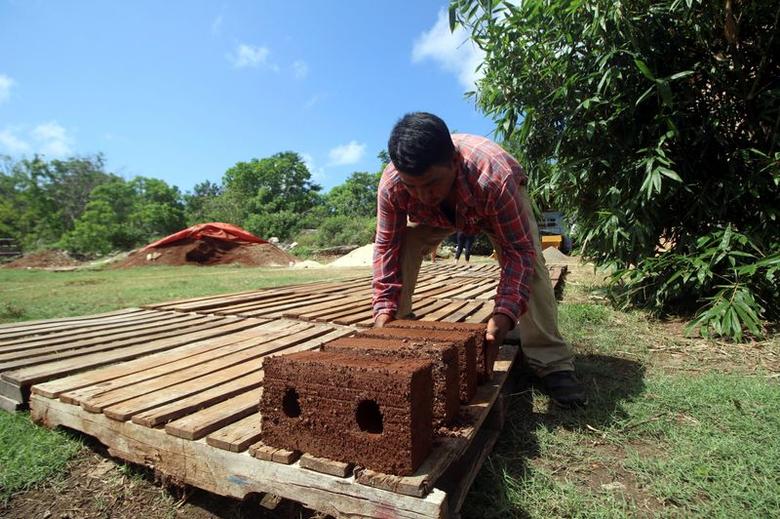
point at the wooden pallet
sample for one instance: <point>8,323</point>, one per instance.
<point>45,350</point>
<point>444,292</point>
<point>192,413</point>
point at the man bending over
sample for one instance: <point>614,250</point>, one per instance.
<point>439,183</point>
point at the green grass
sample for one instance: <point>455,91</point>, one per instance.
<point>35,294</point>
<point>30,454</point>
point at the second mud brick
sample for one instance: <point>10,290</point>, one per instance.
<point>464,342</point>
<point>486,353</point>
<point>443,356</point>
<point>375,412</point>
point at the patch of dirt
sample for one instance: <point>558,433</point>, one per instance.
<point>43,259</point>
<point>208,251</point>
<point>97,487</point>
<point>603,472</point>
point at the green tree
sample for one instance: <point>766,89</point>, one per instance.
<point>356,196</point>
<point>202,202</point>
<point>653,122</point>
<point>270,196</point>
<point>122,215</point>
<point>43,199</point>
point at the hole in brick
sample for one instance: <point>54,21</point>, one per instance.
<point>290,404</point>
<point>369,417</point>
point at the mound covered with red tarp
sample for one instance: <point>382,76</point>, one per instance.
<point>216,230</point>
<point>212,243</point>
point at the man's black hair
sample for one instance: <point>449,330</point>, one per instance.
<point>418,141</point>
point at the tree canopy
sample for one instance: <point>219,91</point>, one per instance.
<point>653,124</point>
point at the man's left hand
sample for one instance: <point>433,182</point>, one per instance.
<point>497,328</point>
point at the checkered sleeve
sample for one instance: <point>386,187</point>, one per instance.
<point>513,234</point>
<point>390,226</point>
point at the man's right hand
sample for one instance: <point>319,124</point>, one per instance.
<point>383,319</point>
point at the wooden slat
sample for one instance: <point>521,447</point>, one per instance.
<point>93,342</point>
<point>326,466</point>
<point>237,437</point>
<point>25,325</point>
<point>81,348</point>
<point>53,327</point>
<point>198,425</point>
<point>124,402</point>
<point>34,374</point>
<point>481,315</point>
<point>56,388</point>
<point>233,344</point>
<point>59,337</point>
<point>469,308</point>
<point>262,451</point>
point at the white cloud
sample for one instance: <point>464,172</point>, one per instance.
<point>347,154</point>
<point>300,69</point>
<point>249,56</point>
<point>12,143</point>
<point>317,173</point>
<point>453,51</point>
<point>5,88</point>
<point>53,140</point>
<point>313,100</point>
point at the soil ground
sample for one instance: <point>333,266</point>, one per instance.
<point>208,251</point>
<point>43,259</point>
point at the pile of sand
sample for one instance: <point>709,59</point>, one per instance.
<point>43,259</point>
<point>209,251</point>
<point>553,256</point>
<point>308,264</point>
<point>360,257</point>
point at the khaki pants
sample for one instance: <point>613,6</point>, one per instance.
<point>537,329</point>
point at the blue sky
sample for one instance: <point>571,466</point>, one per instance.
<point>183,90</point>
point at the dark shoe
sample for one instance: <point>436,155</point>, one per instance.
<point>564,389</point>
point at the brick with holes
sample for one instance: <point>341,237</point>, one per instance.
<point>464,342</point>
<point>443,356</point>
<point>486,353</point>
<point>371,411</point>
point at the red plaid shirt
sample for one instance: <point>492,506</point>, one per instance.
<point>488,187</point>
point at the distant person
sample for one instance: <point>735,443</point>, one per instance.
<point>465,242</point>
<point>444,183</point>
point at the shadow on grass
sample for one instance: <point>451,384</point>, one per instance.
<point>610,382</point>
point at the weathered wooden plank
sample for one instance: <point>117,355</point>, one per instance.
<point>469,308</point>
<point>124,402</point>
<point>233,343</point>
<point>214,417</point>
<point>206,421</point>
<point>55,388</point>
<point>178,408</point>
<point>238,436</point>
<point>262,451</point>
<point>237,474</point>
<point>56,337</point>
<point>8,404</point>
<point>481,315</point>
<point>56,349</point>
<point>445,311</point>
<point>31,375</point>
<point>99,345</point>
<point>52,327</point>
<point>27,325</point>
<point>326,466</point>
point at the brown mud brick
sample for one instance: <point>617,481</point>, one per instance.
<point>443,355</point>
<point>465,342</point>
<point>486,354</point>
<point>371,411</point>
